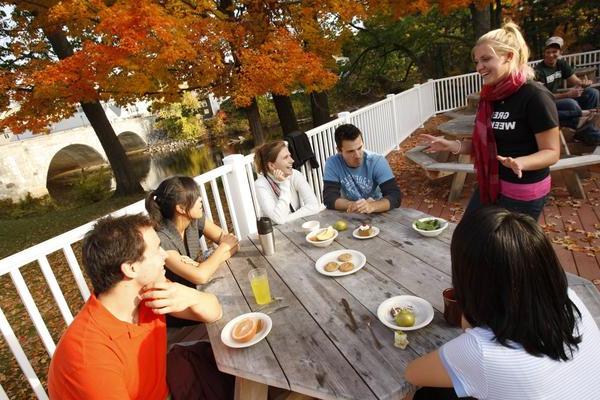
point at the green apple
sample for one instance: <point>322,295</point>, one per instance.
<point>340,225</point>
<point>405,318</point>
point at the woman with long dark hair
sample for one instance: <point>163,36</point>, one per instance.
<point>527,335</point>
<point>515,139</point>
<point>176,209</point>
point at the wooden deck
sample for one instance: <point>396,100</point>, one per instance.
<point>572,225</point>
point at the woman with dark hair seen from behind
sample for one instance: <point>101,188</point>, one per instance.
<point>283,193</point>
<point>176,209</point>
<point>515,138</point>
<point>527,335</point>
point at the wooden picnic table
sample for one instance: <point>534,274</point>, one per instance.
<point>311,349</point>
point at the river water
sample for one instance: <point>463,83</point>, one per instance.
<point>151,169</point>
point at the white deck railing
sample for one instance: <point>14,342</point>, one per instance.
<point>451,93</point>
<point>227,184</point>
<point>232,202</point>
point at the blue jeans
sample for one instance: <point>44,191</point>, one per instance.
<point>569,110</point>
<point>533,208</point>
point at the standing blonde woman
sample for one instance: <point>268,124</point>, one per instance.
<point>282,192</point>
<point>516,137</point>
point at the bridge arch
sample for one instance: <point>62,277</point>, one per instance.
<point>131,141</point>
<point>74,156</point>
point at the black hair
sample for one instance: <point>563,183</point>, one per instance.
<point>507,277</point>
<point>346,132</point>
<point>112,242</point>
<point>177,190</point>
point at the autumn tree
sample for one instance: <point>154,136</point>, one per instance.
<point>577,21</point>
<point>34,47</point>
<point>398,46</point>
<point>182,120</point>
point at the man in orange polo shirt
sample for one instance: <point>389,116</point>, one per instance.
<point>116,347</point>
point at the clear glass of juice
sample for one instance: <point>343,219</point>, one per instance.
<point>259,281</point>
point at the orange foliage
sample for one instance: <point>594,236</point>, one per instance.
<point>145,49</point>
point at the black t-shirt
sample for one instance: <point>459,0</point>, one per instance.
<point>552,77</point>
<point>515,122</point>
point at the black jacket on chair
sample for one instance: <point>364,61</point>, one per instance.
<point>301,150</point>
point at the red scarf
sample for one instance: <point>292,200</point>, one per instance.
<point>484,144</point>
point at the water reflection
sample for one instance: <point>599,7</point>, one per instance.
<point>151,169</point>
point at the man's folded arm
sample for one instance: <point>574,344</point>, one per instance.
<point>331,192</point>
<point>391,192</point>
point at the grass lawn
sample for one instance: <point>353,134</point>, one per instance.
<point>20,233</point>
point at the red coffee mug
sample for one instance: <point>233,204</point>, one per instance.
<point>452,311</point>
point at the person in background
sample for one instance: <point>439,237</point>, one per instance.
<point>527,335</point>
<point>282,192</point>
<point>516,137</point>
<point>552,71</point>
<point>116,347</point>
<point>358,181</point>
<point>175,207</point>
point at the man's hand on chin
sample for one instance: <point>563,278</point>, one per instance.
<point>167,297</point>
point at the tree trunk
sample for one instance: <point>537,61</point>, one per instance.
<point>253,116</point>
<point>319,108</point>
<point>286,114</point>
<point>497,15</point>
<point>481,20</point>
<point>127,183</point>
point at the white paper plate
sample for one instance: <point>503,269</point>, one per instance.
<point>372,235</point>
<point>421,307</point>
<point>358,259</point>
<point>267,324</point>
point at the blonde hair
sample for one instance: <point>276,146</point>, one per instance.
<point>267,153</point>
<point>509,39</point>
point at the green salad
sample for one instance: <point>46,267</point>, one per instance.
<point>428,225</point>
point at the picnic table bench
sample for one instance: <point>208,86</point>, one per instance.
<point>311,349</point>
<point>461,127</point>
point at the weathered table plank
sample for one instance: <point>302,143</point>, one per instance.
<point>383,369</point>
<point>311,363</point>
<point>235,361</point>
<point>312,349</point>
<point>379,276</point>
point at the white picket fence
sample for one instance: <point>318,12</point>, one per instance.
<point>451,93</point>
<point>384,124</point>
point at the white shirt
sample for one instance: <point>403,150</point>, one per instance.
<point>481,367</point>
<point>295,191</point>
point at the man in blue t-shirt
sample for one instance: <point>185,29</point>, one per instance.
<point>356,180</point>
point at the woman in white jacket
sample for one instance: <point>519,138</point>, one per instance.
<point>283,193</point>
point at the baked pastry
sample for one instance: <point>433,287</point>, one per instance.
<point>365,230</point>
<point>346,267</point>
<point>331,266</point>
<point>345,257</point>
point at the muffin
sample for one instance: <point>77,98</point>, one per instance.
<point>365,230</point>
<point>331,266</point>
<point>345,257</point>
<point>346,267</point>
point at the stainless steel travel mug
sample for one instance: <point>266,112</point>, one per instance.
<point>265,235</point>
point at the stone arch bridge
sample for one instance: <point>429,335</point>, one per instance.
<point>26,165</point>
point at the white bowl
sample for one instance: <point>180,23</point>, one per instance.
<point>430,233</point>
<point>322,243</point>
<point>310,226</point>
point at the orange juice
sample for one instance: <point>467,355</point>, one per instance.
<point>260,289</point>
